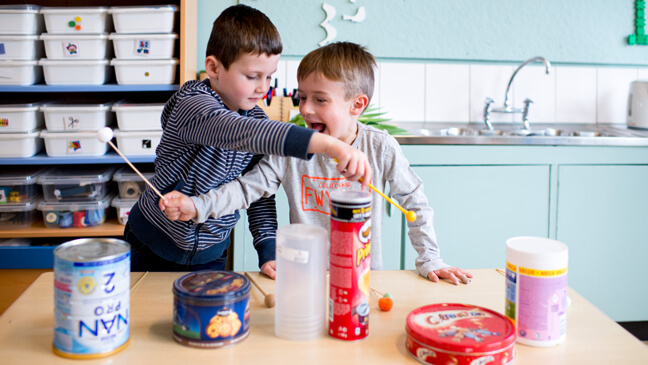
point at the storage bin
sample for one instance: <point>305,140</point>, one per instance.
<point>138,46</point>
<point>123,207</point>
<point>138,117</point>
<point>75,72</point>
<point>20,47</point>
<point>18,215</point>
<point>74,214</point>
<point>15,72</point>
<point>129,184</point>
<point>18,184</point>
<point>20,144</point>
<point>138,143</point>
<point>20,19</point>
<point>143,19</point>
<point>65,184</point>
<point>20,117</point>
<point>89,20</point>
<point>77,46</point>
<point>61,144</point>
<point>145,72</point>
<point>77,117</point>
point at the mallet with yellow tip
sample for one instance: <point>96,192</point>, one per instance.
<point>409,215</point>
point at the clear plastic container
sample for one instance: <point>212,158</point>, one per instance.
<point>145,72</point>
<point>20,117</point>
<point>138,143</point>
<point>61,20</point>
<point>123,207</point>
<point>19,184</point>
<point>74,214</point>
<point>130,185</point>
<point>71,144</point>
<point>75,72</point>
<point>65,184</point>
<point>20,144</point>
<point>138,117</point>
<point>20,47</point>
<point>61,117</point>
<point>143,19</point>
<point>77,46</point>
<point>142,46</point>
<point>15,72</point>
<point>20,19</point>
<point>18,215</point>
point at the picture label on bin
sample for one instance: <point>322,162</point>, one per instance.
<point>71,122</point>
<point>146,144</point>
<point>74,146</point>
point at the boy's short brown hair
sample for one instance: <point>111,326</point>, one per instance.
<point>239,30</point>
<point>346,62</point>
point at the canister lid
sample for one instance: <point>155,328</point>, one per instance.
<point>460,328</point>
<point>350,196</point>
<point>92,249</point>
<point>211,285</point>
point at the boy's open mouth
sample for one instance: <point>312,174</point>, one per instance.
<point>320,127</point>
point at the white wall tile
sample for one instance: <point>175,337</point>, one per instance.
<point>488,81</point>
<point>280,76</point>
<point>612,89</point>
<point>575,94</point>
<point>532,82</point>
<point>291,74</point>
<point>402,91</point>
<point>447,93</point>
<point>642,74</point>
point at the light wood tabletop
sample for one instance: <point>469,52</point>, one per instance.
<point>26,328</point>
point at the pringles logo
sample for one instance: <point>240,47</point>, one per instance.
<point>364,236</point>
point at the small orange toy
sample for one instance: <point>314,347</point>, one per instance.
<point>385,304</point>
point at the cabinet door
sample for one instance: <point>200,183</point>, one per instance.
<point>477,208</point>
<point>602,216</point>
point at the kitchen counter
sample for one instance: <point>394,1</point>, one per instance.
<point>26,328</point>
<point>547,134</point>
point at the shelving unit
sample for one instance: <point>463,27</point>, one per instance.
<point>41,256</point>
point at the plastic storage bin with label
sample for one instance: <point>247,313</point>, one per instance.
<point>129,184</point>
<point>77,46</point>
<point>138,117</point>
<point>19,215</point>
<point>20,19</point>
<point>123,207</point>
<point>20,47</point>
<point>138,143</point>
<point>143,46</point>
<point>17,72</point>
<point>73,144</point>
<point>143,19</point>
<point>20,117</point>
<point>145,72</point>
<point>19,185</point>
<point>60,20</point>
<point>20,144</point>
<point>75,72</point>
<point>61,117</point>
<point>75,214</point>
<point>76,184</point>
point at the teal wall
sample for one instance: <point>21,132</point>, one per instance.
<point>563,31</point>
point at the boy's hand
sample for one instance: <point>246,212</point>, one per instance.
<point>178,206</point>
<point>270,269</point>
<point>452,274</point>
<point>352,163</point>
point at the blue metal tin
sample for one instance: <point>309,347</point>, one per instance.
<point>211,309</point>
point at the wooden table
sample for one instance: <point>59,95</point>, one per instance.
<point>26,328</point>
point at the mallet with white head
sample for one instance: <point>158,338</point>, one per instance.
<point>105,135</point>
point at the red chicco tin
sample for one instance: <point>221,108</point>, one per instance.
<point>460,334</point>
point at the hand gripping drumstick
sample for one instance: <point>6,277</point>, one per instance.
<point>269,299</point>
<point>104,135</point>
<point>409,215</point>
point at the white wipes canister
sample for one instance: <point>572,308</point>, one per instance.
<point>536,289</point>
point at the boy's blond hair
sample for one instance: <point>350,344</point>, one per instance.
<point>240,30</point>
<point>345,62</point>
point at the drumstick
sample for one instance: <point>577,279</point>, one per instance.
<point>269,299</point>
<point>409,215</point>
<point>105,135</point>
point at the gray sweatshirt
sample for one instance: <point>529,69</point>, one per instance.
<point>308,182</point>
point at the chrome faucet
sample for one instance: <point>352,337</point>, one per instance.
<point>507,108</point>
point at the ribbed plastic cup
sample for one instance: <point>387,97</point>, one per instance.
<point>300,310</point>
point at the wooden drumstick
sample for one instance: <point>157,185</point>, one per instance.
<point>269,299</point>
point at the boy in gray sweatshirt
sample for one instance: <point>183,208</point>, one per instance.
<point>335,86</point>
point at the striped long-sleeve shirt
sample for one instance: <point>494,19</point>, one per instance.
<point>205,145</point>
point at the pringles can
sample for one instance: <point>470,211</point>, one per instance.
<point>91,297</point>
<point>350,264</point>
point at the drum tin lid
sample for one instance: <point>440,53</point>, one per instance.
<point>91,249</point>
<point>350,197</point>
<point>460,328</point>
<point>211,285</point>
